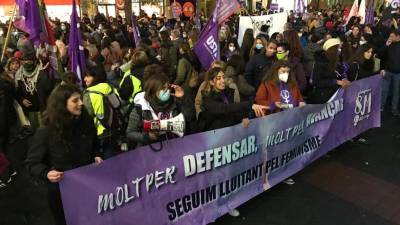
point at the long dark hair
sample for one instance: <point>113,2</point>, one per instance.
<point>272,73</point>
<point>56,115</point>
<point>291,36</point>
<point>358,57</point>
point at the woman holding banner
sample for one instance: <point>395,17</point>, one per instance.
<point>325,77</point>
<point>279,91</point>
<point>66,140</point>
<point>220,110</point>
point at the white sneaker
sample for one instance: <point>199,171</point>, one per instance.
<point>289,181</point>
<point>234,213</point>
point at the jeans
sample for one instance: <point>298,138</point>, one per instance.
<point>388,79</point>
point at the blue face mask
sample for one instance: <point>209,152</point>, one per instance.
<point>259,46</point>
<point>164,95</point>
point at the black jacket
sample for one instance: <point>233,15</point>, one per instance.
<point>393,58</point>
<point>8,115</point>
<point>45,155</point>
<point>323,80</point>
<point>44,86</point>
<point>217,114</point>
<point>256,68</point>
<point>359,71</point>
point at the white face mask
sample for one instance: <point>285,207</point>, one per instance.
<point>363,42</point>
<point>284,77</point>
<point>232,48</point>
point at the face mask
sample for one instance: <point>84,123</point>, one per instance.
<point>184,35</point>
<point>29,67</point>
<point>281,56</point>
<point>164,95</point>
<point>259,46</point>
<point>339,51</point>
<point>284,77</point>
<point>63,27</point>
<point>363,42</point>
<point>182,24</point>
<point>232,48</point>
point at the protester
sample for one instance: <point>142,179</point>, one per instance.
<point>362,63</point>
<point>66,140</point>
<point>131,83</point>
<point>284,53</point>
<point>260,63</point>
<point>159,101</point>
<point>325,77</point>
<point>33,86</point>
<point>392,73</point>
<point>94,102</point>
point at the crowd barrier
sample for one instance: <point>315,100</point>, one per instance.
<point>198,178</point>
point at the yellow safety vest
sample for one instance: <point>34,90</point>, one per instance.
<point>97,102</point>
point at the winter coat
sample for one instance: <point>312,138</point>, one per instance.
<point>217,114</point>
<point>143,111</point>
<point>256,68</point>
<point>169,58</point>
<point>46,154</point>
<point>323,80</point>
<point>393,58</point>
<point>44,86</point>
<point>269,92</point>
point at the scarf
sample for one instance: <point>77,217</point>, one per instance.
<point>29,79</point>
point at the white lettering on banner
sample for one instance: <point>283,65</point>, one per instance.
<point>363,106</point>
<point>212,46</point>
<point>327,112</point>
<point>124,194</point>
<point>219,156</point>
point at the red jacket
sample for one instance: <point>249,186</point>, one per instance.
<point>269,92</point>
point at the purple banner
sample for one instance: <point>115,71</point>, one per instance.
<point>198,178</point>
<point>207,47</point>
<point>75,48</point>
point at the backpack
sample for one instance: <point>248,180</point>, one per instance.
<point>116,116</point>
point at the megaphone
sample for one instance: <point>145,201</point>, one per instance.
<point>174,125</point>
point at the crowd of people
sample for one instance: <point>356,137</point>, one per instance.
<point>53,121</point>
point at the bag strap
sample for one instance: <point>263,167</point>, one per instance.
<point>358,70</point>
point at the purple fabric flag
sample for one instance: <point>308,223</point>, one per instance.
<point>29,19</point>
<point>135,30</point>
<point>75,48</point>
<point>225,8</point>
<point>300,8</point>
<point>369,16</point>
<point>207,47</point>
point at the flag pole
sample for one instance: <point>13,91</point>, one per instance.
<point>8,33</point>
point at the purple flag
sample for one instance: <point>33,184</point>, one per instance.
<point>225,8</point>
<point>29,19</point>
<point>300,6</point>
<point>75,48</point>
<point>369,15</point>
<point>135,30</point>
<point>207,47</point>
